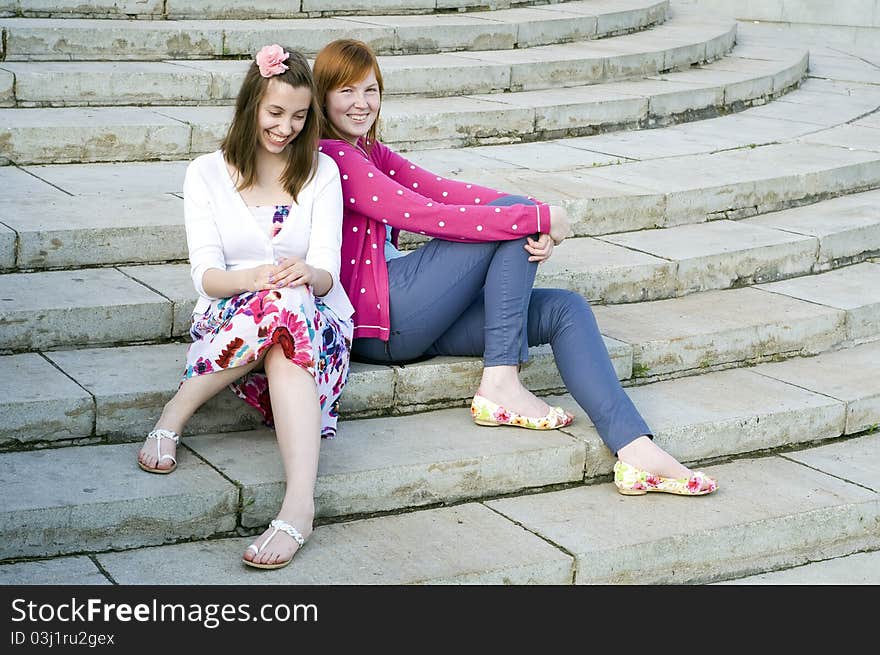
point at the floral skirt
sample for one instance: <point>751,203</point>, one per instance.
<point>236,331</point>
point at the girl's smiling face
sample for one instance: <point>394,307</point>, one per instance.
<point>353,108</point>
<point>282,114</point>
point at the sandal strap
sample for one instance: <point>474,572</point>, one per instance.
<point>278,524</point>
<point>161,433</point>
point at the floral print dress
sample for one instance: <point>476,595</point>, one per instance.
<point>235,331</point>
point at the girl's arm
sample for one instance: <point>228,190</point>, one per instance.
<point>442,189</point>
<point>368,190</point>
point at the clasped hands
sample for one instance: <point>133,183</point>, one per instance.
<point>290,272</point>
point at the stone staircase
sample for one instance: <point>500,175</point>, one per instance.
<point>727,223</point>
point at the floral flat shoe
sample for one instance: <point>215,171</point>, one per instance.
<point>632,481</point>
<point>490,414</point>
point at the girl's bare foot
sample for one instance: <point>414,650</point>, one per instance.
<point>282,546</point>
<point>158,454</point>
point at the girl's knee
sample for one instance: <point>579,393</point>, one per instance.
<point>566,301</point>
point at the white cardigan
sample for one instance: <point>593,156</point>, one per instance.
<point>222,233</point>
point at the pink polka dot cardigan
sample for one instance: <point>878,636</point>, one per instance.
<point>385,188</point>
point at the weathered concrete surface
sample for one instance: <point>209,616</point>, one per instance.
<point>208,125</point>
<point>855,289</point>
<point>416,384</point>
<point>468,544</point>
<point>53,83</point>
<point>825,109</point>
<point>39,403</point>
<point>767,513</point>
<point>855,460</point>
<point>26,184</point>
<point>370,390</point>
<point>857,569</point>
<point>541,156</point>
<point>127,406</point>
<point>608,272</point>
<point>172,281</point>
<point>721,254</point>
<point>84,231</point>
<point>8,240</point>
<point>854,137</point>
<point>116,179</point>
<point>91,134</point>
<point>87,307</point>
<point>851,375</point>
<point>74,571</point>
<point>717,415</point>
<point>700,185</point>
<point>99,499</point>
<point>392,463</point>
<point>847,227</point>
<point>714,328</point>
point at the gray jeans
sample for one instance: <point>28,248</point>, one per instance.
<point>476,299</point>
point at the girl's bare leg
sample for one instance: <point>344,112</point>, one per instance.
<point>297,414</point>
<point>192,394</point>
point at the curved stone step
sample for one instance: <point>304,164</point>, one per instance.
<point>823,513</point>
<point>94,39</point>
<point>616,268</point>
<point>676,44</point>
<point>100,501</point>
<point>209,9</point>
<point>687,336</point>
<point>136,134</point>
<point>88,215</point>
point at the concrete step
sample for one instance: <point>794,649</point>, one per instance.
<point>610,183</point>
<point>201,9</point>
<point>855,14</point>
<point>72,396</point>
<point>43,39</point>
<point>53,230</point>
<point>482,557</point>
<point>856,569</point>
<point>679,43</point>
<point>90,306</point>
<point>668,191</point>
<point>43,312</point>
<point>72,216</point>
<point>94,134</point>
<point>779,511</point>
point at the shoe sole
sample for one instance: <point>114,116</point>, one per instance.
<point>277,565</point>
<point>488,424</point>
<point>643,492</point>
<point>159,471</point>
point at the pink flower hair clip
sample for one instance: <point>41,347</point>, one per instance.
<point>270,58</point>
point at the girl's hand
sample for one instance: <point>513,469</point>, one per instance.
<point>259,278</point>
<point>540,249</point>
<point>560,228</point>
<point>292,272</point>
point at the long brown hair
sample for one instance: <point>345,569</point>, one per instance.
<point>240,145</point>
<point>340,63</point>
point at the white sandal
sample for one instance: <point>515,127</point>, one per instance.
<point>158,434</point>
<point>279,525</point>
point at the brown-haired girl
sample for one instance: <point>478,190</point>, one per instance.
<point>263,225</point>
